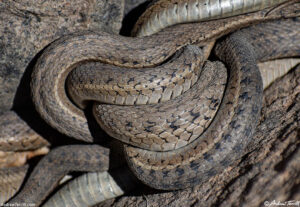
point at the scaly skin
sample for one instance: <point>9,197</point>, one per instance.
<point>56,165</point>
<point>52,68</point>
<point>218,143</point>
<point>225,139</point>
<point>174,12</point>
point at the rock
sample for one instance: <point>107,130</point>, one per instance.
<point>132,4</point>
<point>27,27</point>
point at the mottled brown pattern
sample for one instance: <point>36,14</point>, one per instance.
<point>222,141</point>
<point>63,55</point>
<point>16,134</point>
<point>222,153</point>
<point>169,125</point>
<point>221,148</point>
<point>94,81</point>
<point>267,170</point>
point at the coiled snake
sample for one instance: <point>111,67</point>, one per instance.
<point>182,152</point>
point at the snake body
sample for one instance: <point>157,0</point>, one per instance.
<point>10,181</point>
<point>56,165</point>
<point>169,125</point>
<point>231,128</point>
<point>174,12</point>
<point>276,68</point>
<point>18,136</point>
<point>198,157</point>
<point>200,166</point>
<point>135,86</point>
<point>101,187</point>
<point>64,55</point>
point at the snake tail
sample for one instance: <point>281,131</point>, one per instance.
<point>93,188</point>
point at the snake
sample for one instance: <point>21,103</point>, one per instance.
<point>138,156</point>
<point>49,96</point>
<point>10,180</point>
<point>18,142</point>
